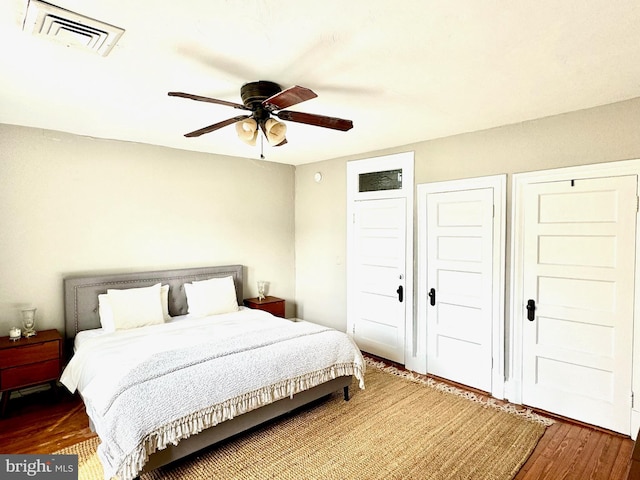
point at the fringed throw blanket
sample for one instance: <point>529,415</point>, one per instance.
<point>157,385</point>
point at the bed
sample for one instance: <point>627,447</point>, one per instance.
<point>158,392</point>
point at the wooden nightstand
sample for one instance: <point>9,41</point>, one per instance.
<point>273,305</point>
<point>29,361</point>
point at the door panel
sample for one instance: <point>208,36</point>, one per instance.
<point>579,257</point>
<point>460,269</point>
<point>379,266</point>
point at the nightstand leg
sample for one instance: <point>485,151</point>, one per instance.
<point>55,391</point>
<point>3,404</point>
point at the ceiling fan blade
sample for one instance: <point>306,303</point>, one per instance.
<point>207,99</point>
<point>317,120</point>
<point>288,97</point>
<point>216,126</point>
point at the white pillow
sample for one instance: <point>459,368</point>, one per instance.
<point>133,307</point>
<point>106,312</point>
<point>211,297</point>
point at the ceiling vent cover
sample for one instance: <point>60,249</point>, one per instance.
<point>70,28</point>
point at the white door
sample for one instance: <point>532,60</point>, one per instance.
<point>380,255</point>
<point>379,269</point>
<point>460,286</point>
<point>578,286</point>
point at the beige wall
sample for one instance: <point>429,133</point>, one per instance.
<point>321,243</point>
<point>73,204</point>
<point>596,135</point>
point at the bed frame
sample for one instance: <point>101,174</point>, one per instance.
<point>81,313</point>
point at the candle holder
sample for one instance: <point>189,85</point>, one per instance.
<point>261,288</point>
<point>15,334</point>
<point>28,322</point>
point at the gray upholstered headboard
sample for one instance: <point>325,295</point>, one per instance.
<point>81,292</point>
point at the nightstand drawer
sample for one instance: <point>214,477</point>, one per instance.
<point>18,377</point>
<point>273,305</point>
<point>29,354</point>
<point>276,308</point>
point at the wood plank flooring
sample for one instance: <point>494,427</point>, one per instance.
<point>45,422</point>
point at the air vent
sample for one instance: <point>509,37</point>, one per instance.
<point>70,28</point>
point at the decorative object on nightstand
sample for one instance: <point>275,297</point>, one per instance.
<point>28,322</point>
<point>273,305</point>
<point>15,334</point>
<point>31,361</point>
<point>262,285</point>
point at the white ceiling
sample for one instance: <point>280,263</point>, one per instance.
<point>402,71</point>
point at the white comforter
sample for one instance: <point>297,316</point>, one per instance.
<point>150,387</point>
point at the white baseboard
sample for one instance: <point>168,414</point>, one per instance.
<point>635,424</point>
<point>513,391</point>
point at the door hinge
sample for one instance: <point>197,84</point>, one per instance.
<point>632,400</point>
<point>637,203</point>
<point>493,213</point>
<point>353,330</point>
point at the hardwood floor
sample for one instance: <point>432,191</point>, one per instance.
<point>46,422</point>
<point>570,451</point>
<point>43,423</point>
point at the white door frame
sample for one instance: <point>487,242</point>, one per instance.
<point>404,161</point>
<point>498,183</point>
<point>513,387</point>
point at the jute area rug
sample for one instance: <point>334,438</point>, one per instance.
<point>397,428</point>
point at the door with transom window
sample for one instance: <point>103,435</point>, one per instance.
<point>379,254</point>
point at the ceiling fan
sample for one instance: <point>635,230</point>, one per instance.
<point>264,99</point>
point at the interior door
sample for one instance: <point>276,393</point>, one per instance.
<point>379,268</point>
<point>460,286</point>
<point>579,257</point>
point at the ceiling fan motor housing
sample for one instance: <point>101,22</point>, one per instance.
<point>254,93</point>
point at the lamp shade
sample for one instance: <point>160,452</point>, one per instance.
<point>275,131</point>
<point>247,130</point>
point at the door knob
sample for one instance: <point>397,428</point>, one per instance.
<point>531,310</point>
<point>432,296</point>
<point>400,293</point>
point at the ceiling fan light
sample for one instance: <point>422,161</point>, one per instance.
<point>275,131</point>
<point>247,131</point>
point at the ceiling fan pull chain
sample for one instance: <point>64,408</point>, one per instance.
<point>262,147</point>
